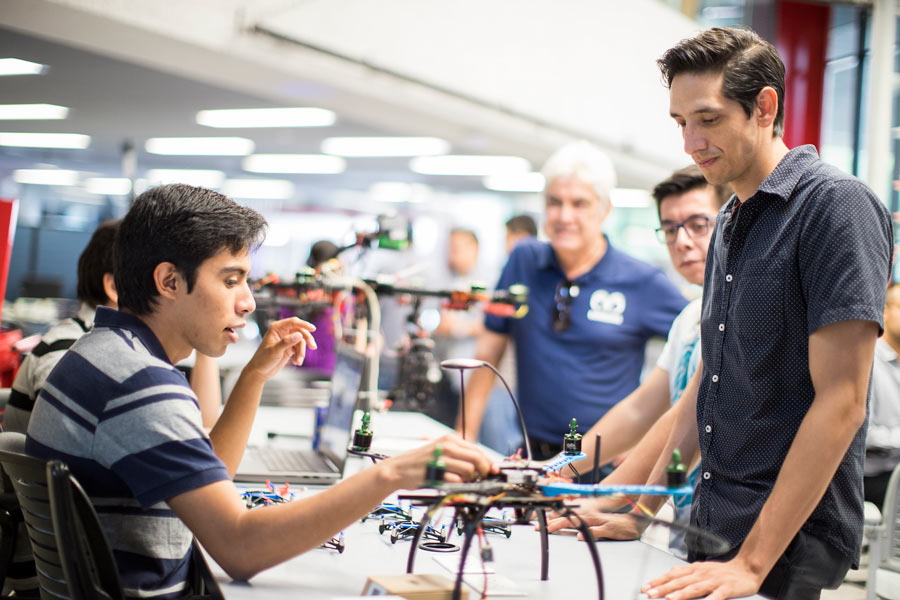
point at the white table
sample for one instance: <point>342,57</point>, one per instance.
<point>326,574</point>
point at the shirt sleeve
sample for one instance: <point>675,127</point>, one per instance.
<point>155,442</point>
<point>666,302</point>
<point>845,255</point>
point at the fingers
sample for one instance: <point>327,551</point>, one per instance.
<point>464,458</point>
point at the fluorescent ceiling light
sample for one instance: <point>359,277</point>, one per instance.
<point>457,164</point>
<point>200,146</point>
<point>385,146</point>
<point>267,117</point>
<point>630,198</point>
<point>45,140</point>
<point>17,66</point>
<point>294,163</point>
<point>108,186</point>
<point>263,189</point>
<point>198,177</point>
<point>513,182</point>
<point>46,176</point>
<point>27,112</point>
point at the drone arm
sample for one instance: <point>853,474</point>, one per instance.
<point>489,348</point>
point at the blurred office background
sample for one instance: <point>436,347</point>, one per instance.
<point>470,96</point>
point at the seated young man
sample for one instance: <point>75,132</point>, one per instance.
<point>124,419</point>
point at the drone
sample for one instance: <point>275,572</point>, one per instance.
<point>530,489</point>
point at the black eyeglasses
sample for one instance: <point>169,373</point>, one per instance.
<point>695,226</point>
<point>566,292</point>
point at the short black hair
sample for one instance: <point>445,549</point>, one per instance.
<point>687,179</point>
<point>321,251</point>
<point>747,62</point>
<point>97,259</point>
<point>522,224</point>
<point>183,225</point>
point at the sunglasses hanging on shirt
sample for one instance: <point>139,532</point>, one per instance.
<point>566,292</point>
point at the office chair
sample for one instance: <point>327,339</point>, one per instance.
<point>883,582</point>
<point>71,551</point>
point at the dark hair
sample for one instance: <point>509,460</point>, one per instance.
<point>466,232</point>
<point>687,179</point>
<point>747,62</point>
<point>183,225</point>
<point>97,259</point>
<point>321,251</point>
<point>522,224</point>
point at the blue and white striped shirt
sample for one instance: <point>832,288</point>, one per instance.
<point>128,425</point>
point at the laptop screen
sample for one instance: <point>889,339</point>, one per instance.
<point>335,433</point>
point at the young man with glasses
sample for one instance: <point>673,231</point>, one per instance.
<point>793,302</point>
<point>687,206</point>
<point>592,308</point>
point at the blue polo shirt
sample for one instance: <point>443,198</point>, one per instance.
<point>583,371</point>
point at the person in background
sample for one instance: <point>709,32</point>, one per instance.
<point>883,436</point>
<point>592,308</point>
<point>183,259</point>
<point>687,206</point>
<point>455,334</point>
<point>518,229</point>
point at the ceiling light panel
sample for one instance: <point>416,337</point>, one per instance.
<point>267,117</point>
<point>206,178</point>
<point>200,146</point>
<point>29,112</point>
<point>46,176</point>
<point>294,163</point>
<point>259,189</point>
<point>74,141</point>
<point>385,146</point>
<point>17,66</point>
<point>458,164</point>
<point>108,186</point>
<point>515,182</point>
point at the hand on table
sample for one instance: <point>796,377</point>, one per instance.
<point>710,580</point>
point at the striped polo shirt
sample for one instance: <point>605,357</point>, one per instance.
<point>128,425</point>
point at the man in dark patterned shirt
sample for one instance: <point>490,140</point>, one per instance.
<point>792,305</point>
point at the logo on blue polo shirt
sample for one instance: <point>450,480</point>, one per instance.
<point>607,307</point>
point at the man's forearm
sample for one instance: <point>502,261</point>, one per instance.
<point>230,434</point>
<point>818,448</point>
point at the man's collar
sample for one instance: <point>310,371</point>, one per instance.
<point>547,259</point>
<point>781,182</point>
<point>108,317</point>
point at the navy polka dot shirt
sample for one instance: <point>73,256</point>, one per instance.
<point>811,247</point>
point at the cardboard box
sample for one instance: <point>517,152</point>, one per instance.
<point>413,587</point>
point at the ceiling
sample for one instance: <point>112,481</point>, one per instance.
<point>504,77</point>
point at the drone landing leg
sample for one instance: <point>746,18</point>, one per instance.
<point>470,525</point>
<point>592,547</point>
<point>420,531</point>
<point>545,544</point>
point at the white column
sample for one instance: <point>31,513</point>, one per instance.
<point>881,95</point>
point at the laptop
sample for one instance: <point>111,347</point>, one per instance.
<point>325,464</point>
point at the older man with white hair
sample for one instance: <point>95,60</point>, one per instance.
<point>592,308</point>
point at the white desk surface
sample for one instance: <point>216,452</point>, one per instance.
<point>326,574</point>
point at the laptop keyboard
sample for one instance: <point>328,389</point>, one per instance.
<point>280,460</point>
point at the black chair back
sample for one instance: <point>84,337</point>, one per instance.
<point>71,553</point>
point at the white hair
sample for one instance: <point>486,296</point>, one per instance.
<point>585,162</point>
